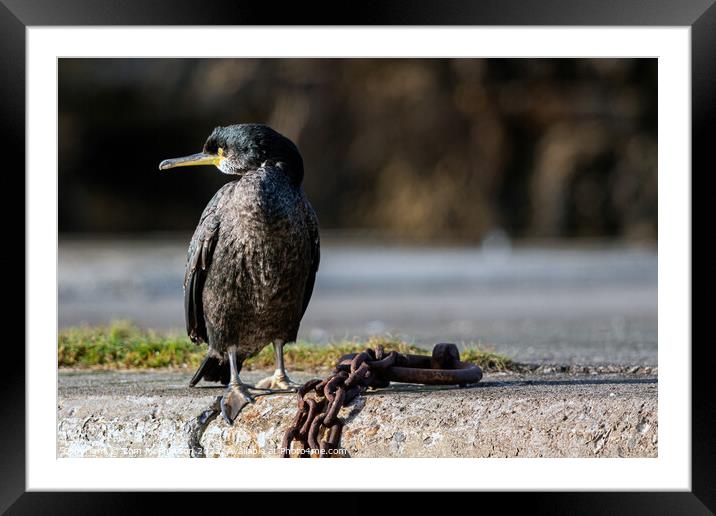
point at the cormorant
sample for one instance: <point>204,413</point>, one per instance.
<point>252,261</point>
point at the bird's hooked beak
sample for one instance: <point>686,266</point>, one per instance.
<point>200,158</point>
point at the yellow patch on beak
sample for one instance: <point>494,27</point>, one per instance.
<point>201,158</point>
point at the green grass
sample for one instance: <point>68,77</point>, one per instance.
<point>124,346</point>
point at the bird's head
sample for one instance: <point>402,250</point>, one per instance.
<point>236,149</point>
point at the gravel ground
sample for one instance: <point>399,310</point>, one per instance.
<point>79,384</point>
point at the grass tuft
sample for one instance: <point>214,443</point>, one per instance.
<point>122,345</point>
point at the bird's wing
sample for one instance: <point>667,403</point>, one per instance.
<point>199,258</point>
<point>312,222</point>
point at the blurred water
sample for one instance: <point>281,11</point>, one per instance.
<point>584,305</point>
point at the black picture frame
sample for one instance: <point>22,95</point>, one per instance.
<point>17,15</point>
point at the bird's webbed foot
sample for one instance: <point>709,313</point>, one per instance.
<point>234,400</point>
<point>279,381</point>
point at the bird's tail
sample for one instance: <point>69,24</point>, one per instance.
<point>212,369</point>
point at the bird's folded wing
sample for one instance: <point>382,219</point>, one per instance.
<point>312,221</point>
<point>199,259</point>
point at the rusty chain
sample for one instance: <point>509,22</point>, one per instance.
<point>320,401</point>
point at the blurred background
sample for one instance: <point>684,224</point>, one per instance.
<point>506,202</point>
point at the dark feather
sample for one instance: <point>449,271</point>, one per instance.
<point>198,262</point>
<point>315,256</point>
<point>212,369</point>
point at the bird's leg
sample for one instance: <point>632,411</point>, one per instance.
<point>279,380</point>
<point>238,395</point>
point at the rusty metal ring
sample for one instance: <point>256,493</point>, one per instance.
<point>336,405</point>
<point>313,432</point>
<point>465,373</point>
<point>385,362</point>
<point>312,405</point>
<point>287,442</point>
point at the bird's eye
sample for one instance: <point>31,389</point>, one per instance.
<point>220,151</point>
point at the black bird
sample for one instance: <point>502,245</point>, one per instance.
<point>253,258</point>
